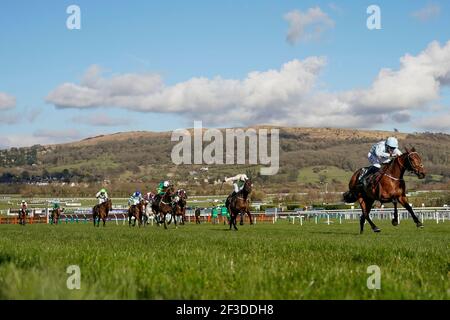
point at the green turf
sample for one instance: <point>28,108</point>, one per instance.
<point>264,261</point>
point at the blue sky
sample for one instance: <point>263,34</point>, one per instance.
<point>177,41</point>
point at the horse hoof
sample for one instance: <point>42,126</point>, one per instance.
<point>377,230</point>
<point>394,222</point>
<point>419,225</point>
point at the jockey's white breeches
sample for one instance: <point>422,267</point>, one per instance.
<point>101,200</point>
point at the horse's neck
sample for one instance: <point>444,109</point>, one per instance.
<point>397,168</point>
<point>244,193</point>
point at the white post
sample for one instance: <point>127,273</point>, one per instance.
<point>301,220</point>
<point>273,219</point>
<point>328,219</point>
<point>117,221</point>
<point>340,219</point>
<point>255,220</point>
<point>437,217</point>
<point>316,219</point>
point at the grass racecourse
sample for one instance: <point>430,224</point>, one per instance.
<point>263,261</point>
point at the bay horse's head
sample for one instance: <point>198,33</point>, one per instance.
<point>413,163</point>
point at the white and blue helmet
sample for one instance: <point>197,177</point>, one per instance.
<point>392,142</point>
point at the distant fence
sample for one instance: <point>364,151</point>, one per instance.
<point>120,216</point>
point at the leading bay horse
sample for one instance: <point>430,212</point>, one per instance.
<point>100,211</point>
<point>386,185</point>
<point>239,204</point>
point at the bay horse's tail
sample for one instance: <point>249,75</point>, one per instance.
<point>352,194</point>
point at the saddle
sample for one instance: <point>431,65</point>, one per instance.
<point>371,176</point>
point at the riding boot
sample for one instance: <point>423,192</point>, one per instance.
<point>370,172</point>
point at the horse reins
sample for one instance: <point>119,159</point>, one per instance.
<point>413,169</point>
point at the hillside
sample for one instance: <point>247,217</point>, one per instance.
<point>309,158</point>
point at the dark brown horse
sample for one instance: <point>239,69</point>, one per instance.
<point>22,216</point>
<point>179,209</point>
<point>100,211</point>
<point>386,185</point>
<point>239,204</point>
<point>136,211</point>
<point>163,206</point>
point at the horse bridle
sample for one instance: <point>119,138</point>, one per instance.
<point>413,168</point>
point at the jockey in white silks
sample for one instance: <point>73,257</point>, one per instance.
<point>381,152</point>
<point>238,181</point>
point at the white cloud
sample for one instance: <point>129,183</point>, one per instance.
<point>101,120</point>
<point>259,90</point>
<point>57,135</point>
<point>23,140</point>
<point>436,123</point>
<point>9,118</point>
<point>413,86</point>
<point>307,25</point>
<point>427,13</point>
<point>7,101</point>
<point>288,96</point>
<point>42,137</point>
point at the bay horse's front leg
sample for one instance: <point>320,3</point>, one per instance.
<point>249,216</point>
<point>395,220</point>
<point>164,218</point>
<point>404,202</point>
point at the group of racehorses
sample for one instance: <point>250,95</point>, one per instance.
<point>173,204</point>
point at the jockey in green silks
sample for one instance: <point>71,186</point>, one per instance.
<point>162,187</point>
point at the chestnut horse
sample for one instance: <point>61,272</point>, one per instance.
<point>386,185</point>
<point>101,211</point>
<point>239,204</point>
